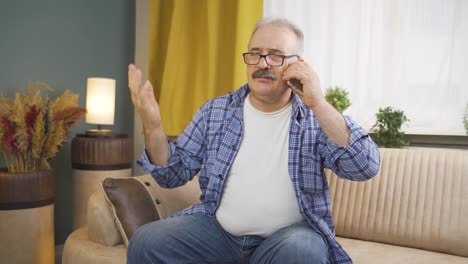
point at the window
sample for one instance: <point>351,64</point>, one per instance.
<point>410,55</point>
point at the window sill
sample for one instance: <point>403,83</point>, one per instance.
<point>437,141</point>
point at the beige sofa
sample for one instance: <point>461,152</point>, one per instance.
<point>414,211</point>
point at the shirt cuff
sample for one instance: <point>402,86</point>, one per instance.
<point>154,169</point>
<point>333,151</point>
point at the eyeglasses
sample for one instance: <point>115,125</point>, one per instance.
<point>274,60</point>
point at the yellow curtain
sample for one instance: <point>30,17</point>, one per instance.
<point>195,51</point>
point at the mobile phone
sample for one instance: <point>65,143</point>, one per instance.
<point>296,85</point>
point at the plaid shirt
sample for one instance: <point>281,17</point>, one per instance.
<point>210,143</point>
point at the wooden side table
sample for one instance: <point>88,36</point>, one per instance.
<point>94,158</point>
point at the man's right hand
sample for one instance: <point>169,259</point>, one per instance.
<point>145,103</point>
<point>143,99</point>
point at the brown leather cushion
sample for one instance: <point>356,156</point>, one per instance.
<point>132,203</point>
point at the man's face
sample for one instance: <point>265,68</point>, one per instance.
<point>271,40</point>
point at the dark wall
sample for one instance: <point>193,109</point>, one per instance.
<point>63,43</point>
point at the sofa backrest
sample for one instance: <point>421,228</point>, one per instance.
<point>170,201</point>
<point>418,199</point>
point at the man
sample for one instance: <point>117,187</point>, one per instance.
<point>260,153</point>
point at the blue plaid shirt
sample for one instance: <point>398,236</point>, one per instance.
<point>211,141</point>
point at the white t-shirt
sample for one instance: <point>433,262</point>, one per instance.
<point>258,196</point>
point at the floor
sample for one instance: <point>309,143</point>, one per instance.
<point>58,254</point>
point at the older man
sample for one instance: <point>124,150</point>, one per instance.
<point>260,153</point>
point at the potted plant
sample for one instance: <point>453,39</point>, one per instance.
<point>338,98</point>
<point>32,130</point>
<point>386,131</point>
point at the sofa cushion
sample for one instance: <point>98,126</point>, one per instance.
<point>101,225</point>
<point>131,202</point>
<point>365,252</point>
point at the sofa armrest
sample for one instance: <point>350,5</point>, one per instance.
<point>101,225</point>
<point>79,249</point>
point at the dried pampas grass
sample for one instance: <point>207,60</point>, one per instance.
<point>33,129</point>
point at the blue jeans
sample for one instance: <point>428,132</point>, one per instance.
<point>201,239</point>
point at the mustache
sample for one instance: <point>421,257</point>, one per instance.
<point>263,73</point>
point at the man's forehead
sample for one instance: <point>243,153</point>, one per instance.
<point>273,39</point>
<point>269,50</point>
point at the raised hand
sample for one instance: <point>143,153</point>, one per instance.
<point>146,105</point>
<point>143,99</point>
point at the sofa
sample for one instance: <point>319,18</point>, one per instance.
<point>414,211</point>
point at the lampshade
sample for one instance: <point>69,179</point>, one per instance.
<point>100,101</point>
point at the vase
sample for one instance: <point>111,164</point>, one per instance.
<point>27,217</point>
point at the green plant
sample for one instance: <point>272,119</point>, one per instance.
<point>33,129</point>
<point>386,131</point>
<point>338,98</point>
<point>465,119</point>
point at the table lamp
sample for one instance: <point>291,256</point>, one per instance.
<point>99,153</point>
<point>100,104</point>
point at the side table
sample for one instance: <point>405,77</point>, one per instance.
<point>94,158</point>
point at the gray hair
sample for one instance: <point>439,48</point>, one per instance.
<point>281,22</point>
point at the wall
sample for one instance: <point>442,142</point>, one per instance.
<point>62,43</point>
<point>141,59</point>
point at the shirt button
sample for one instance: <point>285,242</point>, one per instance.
<point>220,176</point>
<point>233,147</point>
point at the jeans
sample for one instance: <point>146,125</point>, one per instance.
<point>201,239</point>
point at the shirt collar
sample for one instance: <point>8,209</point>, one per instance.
<point>300,110</point>
<point>238,96</point>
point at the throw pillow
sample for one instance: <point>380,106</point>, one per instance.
<point>131,202</point>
